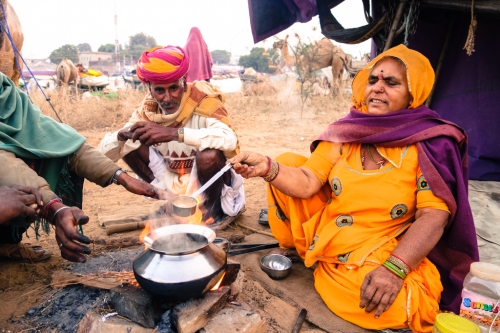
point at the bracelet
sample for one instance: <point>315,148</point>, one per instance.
<point>50,203</point>
<point>57,211</point>
<point>273,172</point>
<point>180,133</point>
<point>393,269</point>
<point>114,179</point>
<point>400,263</point>
<point>269,165</point>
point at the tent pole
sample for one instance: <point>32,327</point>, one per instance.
<point>394,26</point>
<point>442,56</point>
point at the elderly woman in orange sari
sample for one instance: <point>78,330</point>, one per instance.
<point>381,204</point>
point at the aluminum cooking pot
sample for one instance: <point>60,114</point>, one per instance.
<point>180,262</point>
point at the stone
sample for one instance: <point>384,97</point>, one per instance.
<point>92,323</point>
<point>236,320</point>
<point>190,316</point>
<point>136,304</point>
<point>237,286</point>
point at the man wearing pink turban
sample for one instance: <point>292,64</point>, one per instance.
<point>180,135</point>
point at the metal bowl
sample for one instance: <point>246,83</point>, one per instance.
<point>184,205</point>
<point>277,266</point>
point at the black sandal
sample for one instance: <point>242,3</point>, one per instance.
<point>263,218</point>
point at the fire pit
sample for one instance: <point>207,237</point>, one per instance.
<point>64,309</point>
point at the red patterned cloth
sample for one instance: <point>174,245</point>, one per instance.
<point>201,61</point>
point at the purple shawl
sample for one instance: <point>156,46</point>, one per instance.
<point>442,156</point>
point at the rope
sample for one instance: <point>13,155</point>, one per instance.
<point>469,43</point>
<point>253,229</point>
<point>407,27</point>
<point>18,54</point>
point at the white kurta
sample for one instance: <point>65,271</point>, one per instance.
<point>169,157</point>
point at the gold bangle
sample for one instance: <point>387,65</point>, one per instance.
<point>273,172</point>
<point>400,264</point>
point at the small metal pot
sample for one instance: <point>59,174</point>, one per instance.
<point>277,266</point>
<point>182,272</point>
<point>184,205</point>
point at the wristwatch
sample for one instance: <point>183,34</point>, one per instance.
<point>114,179</point>
<point>180,132</point>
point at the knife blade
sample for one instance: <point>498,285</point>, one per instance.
<point>212,180</point>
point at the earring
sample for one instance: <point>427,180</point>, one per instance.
<point>363,103</point>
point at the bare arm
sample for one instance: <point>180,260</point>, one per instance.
<point>380,286</point>
<point>295,182</point>
<point>422,236</point>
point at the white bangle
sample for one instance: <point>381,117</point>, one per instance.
<point>57,211</point>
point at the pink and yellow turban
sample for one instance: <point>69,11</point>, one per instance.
<point>162,64</point>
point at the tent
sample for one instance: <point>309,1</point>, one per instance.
<point>467,89</point>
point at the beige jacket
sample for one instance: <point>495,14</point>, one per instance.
<point>87,162</point>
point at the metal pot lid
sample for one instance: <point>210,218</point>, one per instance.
<point>179,239</point>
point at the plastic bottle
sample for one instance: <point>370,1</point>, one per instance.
<point>481,296</point>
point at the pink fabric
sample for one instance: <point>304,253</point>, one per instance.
<point>162,64</point>
<point>201,60</point>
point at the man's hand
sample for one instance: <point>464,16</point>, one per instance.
<point>140,187</point>
<point>68,238</point>
<point>149,133</point>
<point>19,200</point>
<point>379,290</point>
<point>124,134</point>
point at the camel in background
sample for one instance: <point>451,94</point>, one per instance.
<point>8,64</point>
<point>67,72</point>
<point>321,54</point>
<point>255,84</point>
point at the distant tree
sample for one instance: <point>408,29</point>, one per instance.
<point>256,60</point>
<point>85,47</point>
<point>65,51</point>
<point>106,48</point>
<point>139,43</point>
<point>220,56</point>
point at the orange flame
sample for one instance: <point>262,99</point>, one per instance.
<point>197,216</point>
<point>210,220</point>
<point>147,229</point>
<point>217,285</point>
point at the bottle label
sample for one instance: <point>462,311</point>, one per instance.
<point>479,309</point>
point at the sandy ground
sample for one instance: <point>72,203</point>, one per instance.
<point>269,125</point>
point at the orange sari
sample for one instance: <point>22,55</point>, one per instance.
<point>348,233</point>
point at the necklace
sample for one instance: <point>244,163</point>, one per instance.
<point>367,149</point>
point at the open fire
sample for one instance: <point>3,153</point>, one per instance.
<point>217,285</point>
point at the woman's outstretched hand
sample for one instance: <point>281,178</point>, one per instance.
<point>379,290</point>
<point>250,164</point>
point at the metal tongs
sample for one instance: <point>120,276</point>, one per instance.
<point>235,249</point>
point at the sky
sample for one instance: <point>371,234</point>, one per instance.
<point>224,24</point>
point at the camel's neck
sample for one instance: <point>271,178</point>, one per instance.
<point>289,59</point>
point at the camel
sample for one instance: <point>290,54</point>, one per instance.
<point>8,64</point>
<point>255,84</point>
<point>319,54</point>
<point>67,72</point>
